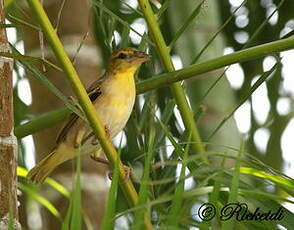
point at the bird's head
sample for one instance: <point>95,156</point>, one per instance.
<point>126,59</point>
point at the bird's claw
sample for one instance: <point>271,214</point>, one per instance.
<point>128,172</point>
<point>99,159</point>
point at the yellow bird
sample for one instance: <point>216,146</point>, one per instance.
<point>113,96</point>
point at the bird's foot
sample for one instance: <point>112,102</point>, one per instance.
<point>94,140</point>
<point>99,159</point>
<point>107,131</point>
<point>128,170</point>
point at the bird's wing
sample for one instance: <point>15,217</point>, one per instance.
<point>93,92</point>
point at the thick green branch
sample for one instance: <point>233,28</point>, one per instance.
<point>83,98</point>
<point>177,90</point>
<point>42,122</point>
<point>213,64</point>
<point>162,80</point>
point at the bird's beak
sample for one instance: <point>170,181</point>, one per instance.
<point>142,56</point>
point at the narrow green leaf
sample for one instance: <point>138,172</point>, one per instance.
<point>79,47</point>
<point>288,35</point>
<point>109,214</point>
<point>236,176</point>
<point>165,119</point>
<point>262,25</point>
<point>217,33</point>
<point>178,148</point>
<point>176,206</point>
<point>162,9</point>
<point>19,56</point>
<point>42,200</point>
<point>186,24</point>
<point>11,220</point>
<point>262,79</point>
<point>125,41</point>
<point>7,25</point>
<point>283,181</point>
<point>58,187</point>
<point>143,213</point>
<point>217,185</point>
<point>144,112</point>
<point>233,195</point>
<point>114,16</point>
<point>76,219</point>
<point>263,195</point>
<point>59,14</point>
<point>66,221</point>
<point>39,76</point>
<point>131,8</point>
<point>22,172</point>
<point>73,218</point>
<point>17,21</point>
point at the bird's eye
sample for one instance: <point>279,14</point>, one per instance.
<point>122,56</point>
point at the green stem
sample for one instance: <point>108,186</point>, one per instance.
<point>216,63</point>
<point>162,80</point>
<point>42,122</point>
<point>177,90</point>
<point>83,98</point>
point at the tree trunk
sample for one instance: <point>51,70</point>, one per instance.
<point>8,142</point>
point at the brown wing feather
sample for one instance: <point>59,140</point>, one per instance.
<point>62,134</point>
<point>93,92</point>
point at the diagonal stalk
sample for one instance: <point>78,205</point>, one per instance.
<point>177,90</point>
<point>83,98</point>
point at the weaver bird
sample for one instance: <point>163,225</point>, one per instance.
<point>113,96</point>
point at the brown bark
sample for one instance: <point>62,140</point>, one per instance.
<point>74,24</point>
<point>8,142</point>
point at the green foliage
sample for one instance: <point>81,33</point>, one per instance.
<point>73,218</point>
<point>108,220</point>
<point>42,200</point>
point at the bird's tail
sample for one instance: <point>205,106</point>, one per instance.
<point>39,173</point>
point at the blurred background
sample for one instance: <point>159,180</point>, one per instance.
<point>91,30</point>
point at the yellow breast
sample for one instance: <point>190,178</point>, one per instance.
<point>116,102</point>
